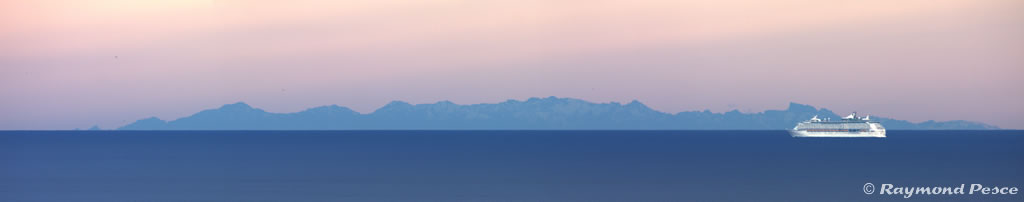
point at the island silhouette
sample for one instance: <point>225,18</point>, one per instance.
<point>550,113</point>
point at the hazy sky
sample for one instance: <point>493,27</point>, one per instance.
<point>73,64</point>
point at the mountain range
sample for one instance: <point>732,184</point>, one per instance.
<point>531,114</point>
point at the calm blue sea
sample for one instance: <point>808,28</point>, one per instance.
<point>498,165</point>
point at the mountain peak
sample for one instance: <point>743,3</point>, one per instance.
<point>394,106</point>
<point>554,100</point>
<point>330,108</point>
<point>444,102</point>
<point>636,104</point>
<point>152,118</point>
<point>793,106</point>
<point>539,99</point>
<point>237,105</point>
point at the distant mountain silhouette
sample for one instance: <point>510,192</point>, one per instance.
<point>534,113</point>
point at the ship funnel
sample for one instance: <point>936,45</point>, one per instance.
<point>851,116</point>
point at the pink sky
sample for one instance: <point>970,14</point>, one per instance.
<point>907,59</point>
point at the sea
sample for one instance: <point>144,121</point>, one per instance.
<point>560,165</point>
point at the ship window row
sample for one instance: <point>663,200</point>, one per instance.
<point>837,130</point>
<point>833,126</point>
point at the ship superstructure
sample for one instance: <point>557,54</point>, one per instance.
<point>849,126</point>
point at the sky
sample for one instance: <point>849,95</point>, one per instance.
<point>74,64</point>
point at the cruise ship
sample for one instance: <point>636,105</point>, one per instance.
<point>849,126</point>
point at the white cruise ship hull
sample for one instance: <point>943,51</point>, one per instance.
<point>804,133</point>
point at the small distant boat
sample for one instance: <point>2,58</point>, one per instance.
<point>850,126</point>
